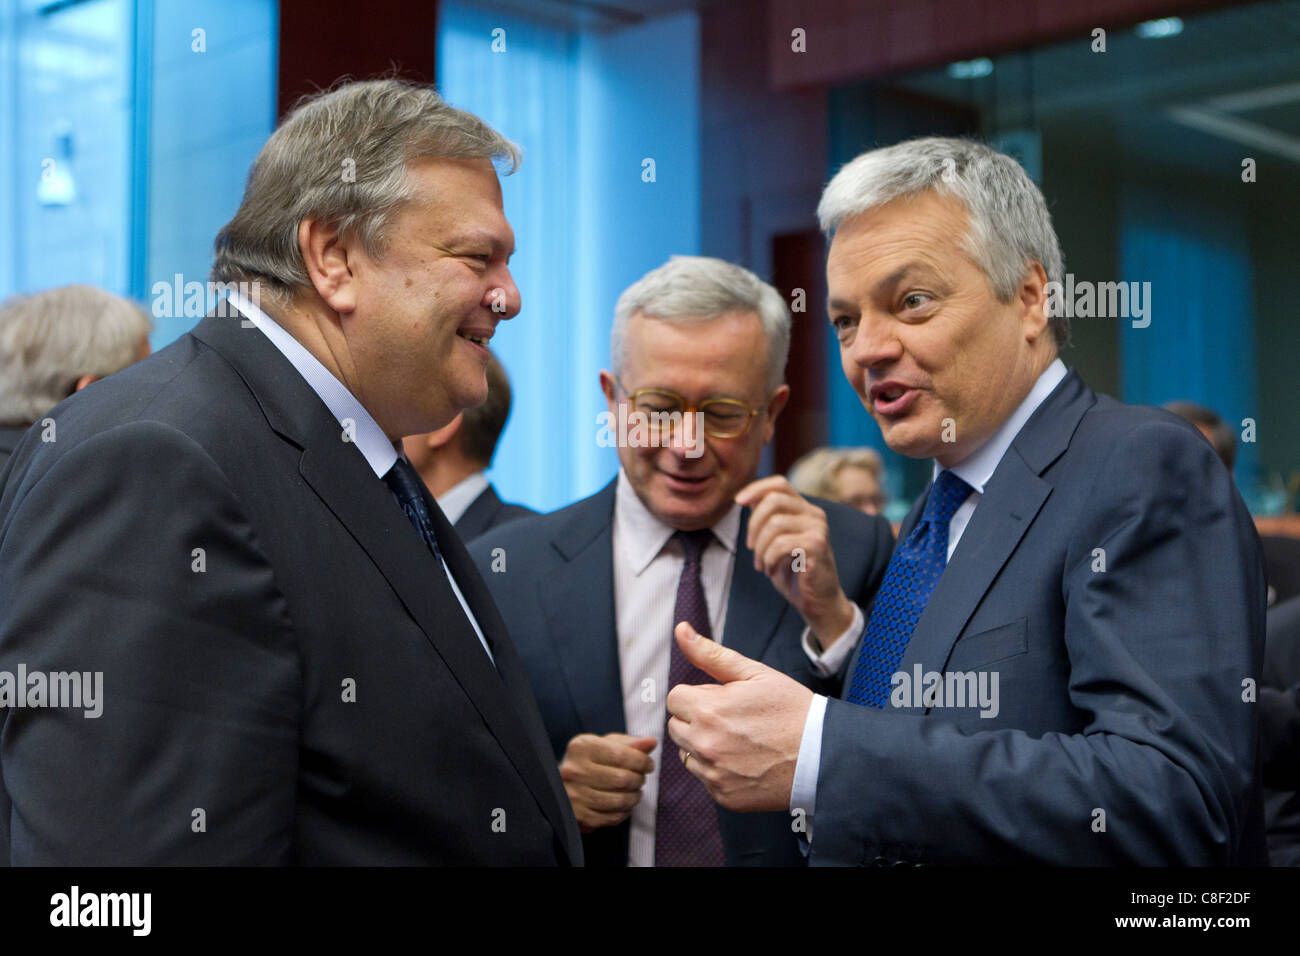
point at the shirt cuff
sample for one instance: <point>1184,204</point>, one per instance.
<point>827,663</point>
<point>803,794</point>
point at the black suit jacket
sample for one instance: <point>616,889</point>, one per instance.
<point>1111,578</point>
<point>287,676</point>
<point>486,512</point>
<point>557,596</point>
<point>1279,732</point>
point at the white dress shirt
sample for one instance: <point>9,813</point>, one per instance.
<point>976,470</point>
<point>369,438</point>
<point>647,567</point>
<point>455,501</point>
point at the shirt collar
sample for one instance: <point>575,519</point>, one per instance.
<point>978,467</point>
<point>366,434</point>
<point>455,501</point>
<point>642,535</point>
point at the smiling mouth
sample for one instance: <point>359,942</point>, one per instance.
<point>479,340</point>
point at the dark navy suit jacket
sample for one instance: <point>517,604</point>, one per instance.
<point>486,512</point>
<point>557,597</point>
<point>1279,702</point>
<point>1123,735</point>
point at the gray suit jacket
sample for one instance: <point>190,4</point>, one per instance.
<point>557,597</point>
<point>1120,690</point>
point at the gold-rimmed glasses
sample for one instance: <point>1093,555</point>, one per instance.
<point>665,409</point>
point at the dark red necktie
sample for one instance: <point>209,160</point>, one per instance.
<point>686,822</point>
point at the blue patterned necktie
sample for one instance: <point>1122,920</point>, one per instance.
<point>686,819</point>
<point>910,579</point>
<point>405,484</point>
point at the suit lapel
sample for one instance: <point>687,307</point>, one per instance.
<point>584,579</point>
<point>340,476</point>
<point>541,781</point>
<point>754,607</point>
<point>1012,499</point>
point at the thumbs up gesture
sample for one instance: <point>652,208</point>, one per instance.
<point>740,737</point>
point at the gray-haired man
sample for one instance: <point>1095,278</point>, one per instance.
<point>300,663</point>
<point>1059,664</point>
<point>684,532</point>
<point>57,342</point>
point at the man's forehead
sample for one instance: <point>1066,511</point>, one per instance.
<point>660,352</point>
<point>927,215</point>
<point>455,183</point>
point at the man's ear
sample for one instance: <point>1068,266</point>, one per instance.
<point>86,380</point>
<point>774,406</point>
<point>440,437</point>
<point>608,386</point>
<point>325,255</point>
<point>1033,300</point>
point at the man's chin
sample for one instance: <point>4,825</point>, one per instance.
<point>906,441</point>
<point>685,510</point>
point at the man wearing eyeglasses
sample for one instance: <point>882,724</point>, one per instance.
<point>591,593</point>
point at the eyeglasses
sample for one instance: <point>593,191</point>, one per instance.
<point>664,410</point>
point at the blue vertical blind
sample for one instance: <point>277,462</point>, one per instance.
<point>588,109</point>
<point>65,126</point>
<point>1200,343</point>
<point>126,133</point>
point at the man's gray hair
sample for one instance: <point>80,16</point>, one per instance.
<point>341,157</point>
<point>49,340</point>
<point>1010,226</point>
<point>696,289</point>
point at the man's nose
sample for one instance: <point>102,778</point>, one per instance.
<point>687,439</point>
<point>503,296</point>
<point>874,342</point>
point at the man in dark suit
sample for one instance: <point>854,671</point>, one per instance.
<point>300,664</point>
<point>590,593</point>
<point>1060,663</point>
<point>453,459</point>
<point>1279,733</point>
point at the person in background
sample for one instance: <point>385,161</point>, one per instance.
<point>57,342</point>
<point>1281,552</point>
<point>851,476</point>
<point>1279,733</point>
<point>1216,431</point>
<point>590,593</point>
<point>452,460</point>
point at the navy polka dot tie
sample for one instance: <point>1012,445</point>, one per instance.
<point>910,579</point>
<point>686,819</point>
<point>405,483</point>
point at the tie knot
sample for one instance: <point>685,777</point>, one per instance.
<point>946,496</point>
<point>403,481</point>
<point>694,542</point>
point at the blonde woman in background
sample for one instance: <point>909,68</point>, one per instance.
<point>851,476</point>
